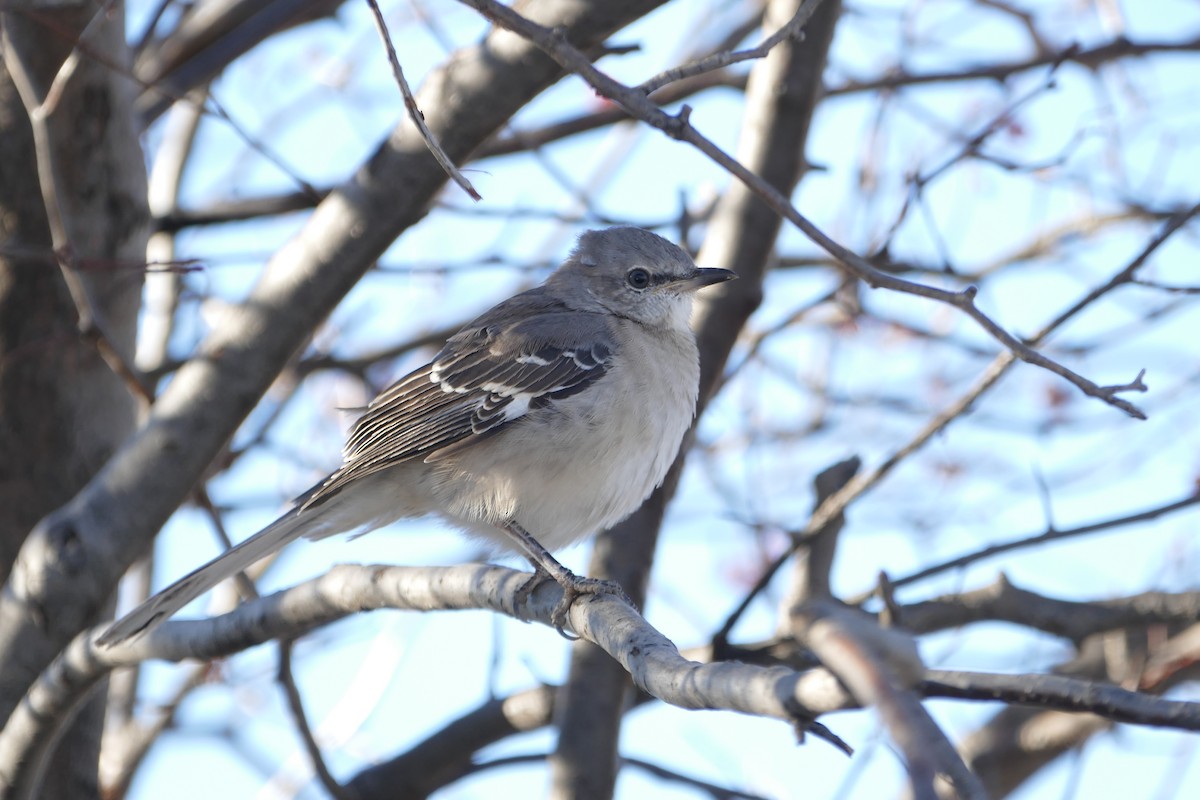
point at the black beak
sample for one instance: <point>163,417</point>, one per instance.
<point>707,277</point>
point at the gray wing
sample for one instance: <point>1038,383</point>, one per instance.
<point>488,376</point>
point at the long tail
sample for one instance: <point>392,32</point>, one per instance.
<point>147,616</point>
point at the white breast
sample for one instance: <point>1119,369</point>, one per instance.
<point>585,463</point>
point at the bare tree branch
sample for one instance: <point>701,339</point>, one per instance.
<point>1074,620</point>
<point>296,705</point>
<point>1091,58</point>
<point>1051,535</point>
<point>792,29</point>
<point>448,753</point>
<point>1064,694</point>
<point>206,40</point>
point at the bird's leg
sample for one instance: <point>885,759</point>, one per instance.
<point>547,566</point>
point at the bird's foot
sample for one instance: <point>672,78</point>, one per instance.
<point>576,586</point>
<point>573,587</point>
<point>547,566</point>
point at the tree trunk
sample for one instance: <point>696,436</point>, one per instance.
<point>62,408</point>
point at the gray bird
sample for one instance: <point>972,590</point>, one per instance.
<point>553,415</point>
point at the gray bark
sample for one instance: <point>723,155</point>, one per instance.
<point>63,408</point>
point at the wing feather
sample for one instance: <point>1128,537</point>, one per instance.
<point>487,377</point>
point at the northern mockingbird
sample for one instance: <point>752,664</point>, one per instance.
<point>553,415</point>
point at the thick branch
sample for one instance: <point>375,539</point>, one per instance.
<point>449,753</point>
<point>650,658</point>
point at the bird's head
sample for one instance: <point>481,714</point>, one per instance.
<point>635,274</point>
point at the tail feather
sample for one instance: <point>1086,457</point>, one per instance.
<point>163,605</point>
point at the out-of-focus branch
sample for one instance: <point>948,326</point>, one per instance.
<point>208,38</point>
<point>988,378</point>
<point>162,289</point>
<point>522,140</point>
<point>126,746</point>
<point>1020,740</point>
<point>360,364</point>
<point>1064,694</point>
<point>48,101</point>
<point>673,93</point>
<point>1091,58</point>
<point>295,704</point>
<point>806,582</point>
<point>67,409</point>
<point>879,667</point>
<point>1074,620</point>
<point>712,790</point>
<point>811,575</point>
<point>240,209</point>
<point>449,753</point>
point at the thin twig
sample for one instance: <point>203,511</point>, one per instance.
<point>1162,287</point>
<point>54,94</point>
<point>971,147</point>
<point>414,113</point>
<point>1049,535</point>
<point>610,114</point>
<point>793,29</point>
<point>1119,47</point>
<point>827,482</point>
<point>213,106</point>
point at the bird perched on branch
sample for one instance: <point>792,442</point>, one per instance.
<point>546,419</point>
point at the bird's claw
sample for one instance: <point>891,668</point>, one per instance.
<point>573,587</point>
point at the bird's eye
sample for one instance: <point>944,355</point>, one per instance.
<point>638,278</point>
